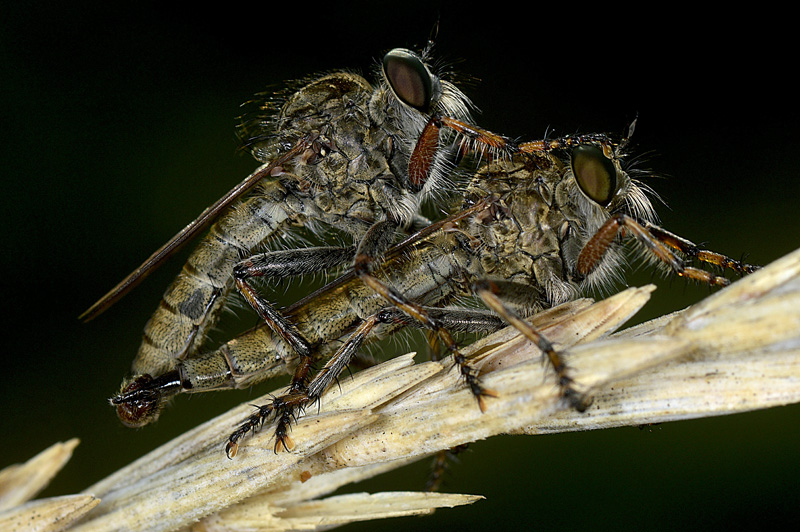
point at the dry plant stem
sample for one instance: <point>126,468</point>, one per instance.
<point>188,479</point>
<point>19,483</point>
<point>47,515</point>
<point>742,352</point>
<point>737,350</point>
<point>333,511</point>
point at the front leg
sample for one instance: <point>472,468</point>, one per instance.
<point>286,407</point>
<point>426,319</point>
<point>494,299</point>
<point>662,245</point>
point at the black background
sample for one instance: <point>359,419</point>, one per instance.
<point>117,130</point>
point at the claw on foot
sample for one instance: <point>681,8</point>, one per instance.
<point>284,441</point>
<point>481,401</point>
<point>231,448</point>
<point>580,402</point>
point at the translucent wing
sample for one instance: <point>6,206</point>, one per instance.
<point>187,233</point>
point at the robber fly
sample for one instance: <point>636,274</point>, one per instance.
<point>338,153</point>
<point>536,230</point>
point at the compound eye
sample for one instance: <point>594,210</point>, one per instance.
<point>409,78</point>
<point>595,173</point>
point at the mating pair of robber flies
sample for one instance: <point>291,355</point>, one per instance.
<point>538,222</point>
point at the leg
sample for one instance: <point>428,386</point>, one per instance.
<point>430,321</point>
<point>282,264</point>
<point>542,146</point>
<point>460,320</point>
<point>488,293</point>
<point>286,407</point>
<point>420,164</point>
<point>484,142</point>
<point>662,245</point>
<point>290,263</point>
<point>440,465</point>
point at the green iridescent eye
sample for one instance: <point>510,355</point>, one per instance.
<point>595,173</point>
<point>409,78</point>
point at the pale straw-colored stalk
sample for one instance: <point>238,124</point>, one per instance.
<point>737,350</point>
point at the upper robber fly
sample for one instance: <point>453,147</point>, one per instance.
<point>339,153</point>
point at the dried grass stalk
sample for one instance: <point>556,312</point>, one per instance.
<point>21,482</point>
<point>737,350</point>
<point>52,514</point>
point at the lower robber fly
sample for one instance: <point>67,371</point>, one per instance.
<point>538,228</point>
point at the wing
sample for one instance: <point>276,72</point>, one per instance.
<point>190,231</point>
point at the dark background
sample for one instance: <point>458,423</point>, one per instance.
<point>117,130</point>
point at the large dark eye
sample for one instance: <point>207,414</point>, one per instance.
<point>409,78</point>
<point>595,174</point>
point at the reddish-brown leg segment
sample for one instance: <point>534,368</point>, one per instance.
<point>662,245</point>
